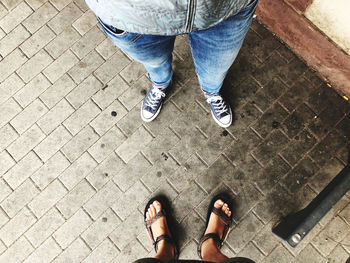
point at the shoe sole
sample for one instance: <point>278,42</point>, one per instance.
<point>218,122</point>
<point>153,117</point>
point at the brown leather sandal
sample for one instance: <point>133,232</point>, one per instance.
<point>224,218</point>
<point>148,224</point>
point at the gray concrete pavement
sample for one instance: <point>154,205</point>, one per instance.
<point>74,178</point>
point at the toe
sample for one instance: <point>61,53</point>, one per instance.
<point>157,206</point>
<point>224,207</point>
<point>226,120</point>
<point>218,204</point>
<point>227,211</point>
<point>153,210</point>
<point>147,114</point>
<point>149,213</point>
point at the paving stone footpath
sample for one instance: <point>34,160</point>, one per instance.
<point>77,164</point>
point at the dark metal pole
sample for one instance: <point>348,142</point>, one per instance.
<point>296,226</point>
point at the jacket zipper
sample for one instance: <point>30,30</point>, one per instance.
<point>190,16</point>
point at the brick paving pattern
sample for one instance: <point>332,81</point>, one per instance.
<point>77,164</point>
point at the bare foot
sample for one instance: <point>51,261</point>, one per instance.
<point>210,250</point>
<point>165,250</point>
<point>215,224</point>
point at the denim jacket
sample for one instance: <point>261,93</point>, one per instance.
<point>165,17</point>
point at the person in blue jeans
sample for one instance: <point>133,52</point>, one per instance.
<point>146,31</point>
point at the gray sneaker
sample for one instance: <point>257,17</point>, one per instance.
<point>152,104</point>
<point>220,110</point>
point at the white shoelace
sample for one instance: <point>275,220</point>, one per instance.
<point>153,99</point>
<point>218,104</point>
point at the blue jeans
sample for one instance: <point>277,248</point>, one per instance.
<point>213,50</point>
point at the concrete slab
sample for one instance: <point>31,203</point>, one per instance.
<point>75,178</point>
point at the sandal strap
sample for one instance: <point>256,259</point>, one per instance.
<point>224,218</point>
<point>204,238</point>
<point>220,241</point>
<point>165,237</point>
<point>149,222</point>
<point>168,239</point>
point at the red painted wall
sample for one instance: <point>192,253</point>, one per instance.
<point>286,20</point>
